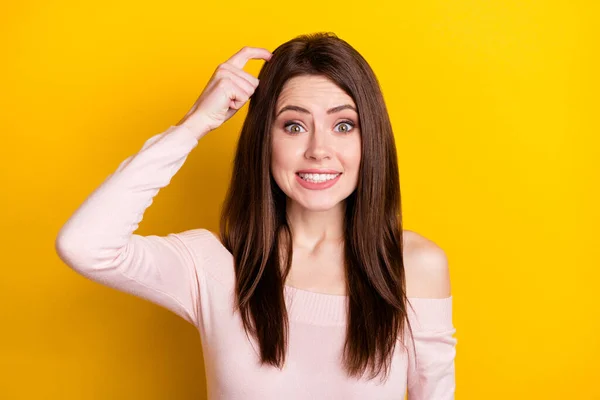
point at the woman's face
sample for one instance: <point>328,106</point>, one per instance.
<point>316,143</point>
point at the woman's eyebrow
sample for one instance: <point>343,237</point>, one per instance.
<point>304,110</point>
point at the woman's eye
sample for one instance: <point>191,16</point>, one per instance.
<point>296,128</point>
<point>348,126</point>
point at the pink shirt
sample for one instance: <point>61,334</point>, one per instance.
<point>191,274</point>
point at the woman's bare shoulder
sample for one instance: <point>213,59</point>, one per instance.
<point>426,267</point>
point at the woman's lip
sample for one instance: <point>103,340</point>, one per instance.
<point>318,171</point>
<point>318,185</point>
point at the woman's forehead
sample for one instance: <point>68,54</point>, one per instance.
<point>315,92</point>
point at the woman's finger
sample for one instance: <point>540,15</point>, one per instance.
<point>247,53</point>
<point>241,73</point>
<point>240,82</point>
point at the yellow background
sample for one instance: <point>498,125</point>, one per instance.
<point>495,111</point>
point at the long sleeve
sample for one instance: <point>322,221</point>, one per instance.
<point>431,373</point>
<point>98,241</point>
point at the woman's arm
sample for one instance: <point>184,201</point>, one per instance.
<point>98,241</point>
<point>431,364</point>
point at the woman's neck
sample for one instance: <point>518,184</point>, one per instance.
<point>310,229</point>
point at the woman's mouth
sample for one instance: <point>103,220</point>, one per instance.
<point>313,181</point>
<point>317,178</point>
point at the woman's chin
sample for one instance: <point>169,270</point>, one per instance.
<point>316,205</point>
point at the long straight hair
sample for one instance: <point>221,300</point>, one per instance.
<point>254,227</point>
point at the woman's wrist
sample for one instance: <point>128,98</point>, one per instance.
<point>195,124</point>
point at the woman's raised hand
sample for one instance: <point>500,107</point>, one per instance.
<point>228,89</point>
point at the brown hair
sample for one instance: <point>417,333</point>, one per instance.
<point>255,230</point>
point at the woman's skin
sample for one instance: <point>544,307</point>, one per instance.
<point>313,139</point>
<point>316,139</point>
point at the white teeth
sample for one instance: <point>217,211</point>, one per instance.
<point>317,178</point>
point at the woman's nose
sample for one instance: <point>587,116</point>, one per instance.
<point>318,145</point>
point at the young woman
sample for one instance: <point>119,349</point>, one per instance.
<point>311,290</point>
